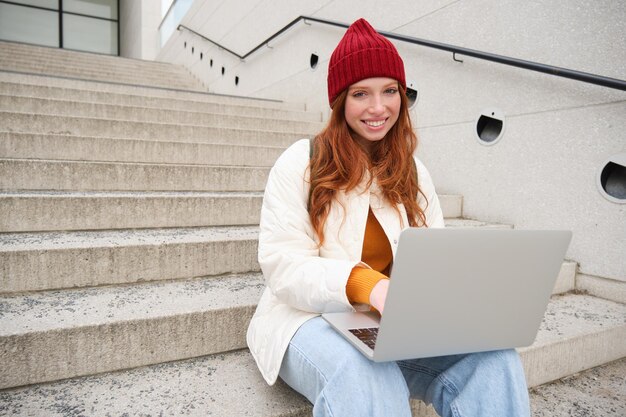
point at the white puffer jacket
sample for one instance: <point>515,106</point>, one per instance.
<point>301,280</point>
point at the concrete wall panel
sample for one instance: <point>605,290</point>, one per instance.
<point>130,29</point>
<point>577,34</point>
<point>540,175</point>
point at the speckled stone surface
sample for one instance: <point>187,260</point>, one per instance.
<point>30,88</point>
<point>604,288</point>
<point>46,211</point>
<point>36,261</point>
<point>145,114</point>
<point>476,223</point>
<point>566,281</point>
<point>230,385</point>
<point>114,238</point>
<point>35,59</point>
<point>451,205</point>
<point>578,332</point>
<point>25,211</point>
<point>30,174</point>
<point>220,385</point>
<point>87,148</point>
<point>599,392</point>
<point>144,93</point>
<point>83,126</point>
<point>59,334</point>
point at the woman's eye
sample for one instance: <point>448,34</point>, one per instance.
<point>391,90</point>
<point>358,94</point>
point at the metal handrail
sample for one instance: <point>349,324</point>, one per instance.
<point>520,63</point>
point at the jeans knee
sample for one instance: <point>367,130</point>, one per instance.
<point>509,355</point>
<point>359,365</point>
<point>360,387</point>
<point>509,359</point>
<point>373,376</point>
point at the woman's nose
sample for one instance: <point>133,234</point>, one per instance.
<point>377,105</point>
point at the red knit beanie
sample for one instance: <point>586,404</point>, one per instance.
<point>362,53</point>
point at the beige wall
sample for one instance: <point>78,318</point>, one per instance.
<point>139,21</point>
<point>558,132</point>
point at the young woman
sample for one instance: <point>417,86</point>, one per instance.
<point>329,228</point>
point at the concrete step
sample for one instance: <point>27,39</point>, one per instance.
<point>457,222</point>
<point>47,260</point>
<point>99,127</point>
<point>25,174</point>
<point>609,289</point>
<point>230,384</point>
<point>145,114</point>
<point>49,211</point>
<point>31,211</point>
<point>451,205</point>
<point>52,260</point>
<point>24,52</point>
<point>97,149</point>
<point>66,55</point>
<point>578,332</point>
<point>89,96</point>
<point>201,96</point>
<point>85,62</point>
<point>54,335</point>
<point>599,391</point>
<point>219,385</point>
<point>175,78</point>
<point>95,75</point>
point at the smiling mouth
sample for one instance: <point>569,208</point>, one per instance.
<point>375,123</point>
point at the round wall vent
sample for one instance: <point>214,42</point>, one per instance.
<point>412,93</point>
<point>490,126</point>
<point>611,179</point>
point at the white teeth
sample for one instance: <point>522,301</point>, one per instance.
<point>375,124</point>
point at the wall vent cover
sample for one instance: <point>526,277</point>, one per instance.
<point>412,93</point>
<point>314,60</point>
<point>490,126</point>
<point>611,179</point>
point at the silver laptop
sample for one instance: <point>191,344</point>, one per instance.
<point>459,291</point>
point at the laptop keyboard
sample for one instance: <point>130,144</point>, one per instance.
<point>366,335</point>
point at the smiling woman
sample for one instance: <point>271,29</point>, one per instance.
<point>372,108</point>
<point>329,229</point>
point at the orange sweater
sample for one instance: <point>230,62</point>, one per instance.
<point>377,254</point>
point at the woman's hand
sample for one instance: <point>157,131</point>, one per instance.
<point>379,294</point>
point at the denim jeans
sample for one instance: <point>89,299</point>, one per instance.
<point>341,382</point>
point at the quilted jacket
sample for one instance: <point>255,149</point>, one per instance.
<point>302,281</point>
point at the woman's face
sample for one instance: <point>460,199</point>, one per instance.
<point>372,108</point>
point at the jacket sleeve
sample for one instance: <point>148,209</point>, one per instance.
<point>288,252</point>
<point>429,202</point>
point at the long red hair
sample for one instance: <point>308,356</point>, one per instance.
<point>340,163</point>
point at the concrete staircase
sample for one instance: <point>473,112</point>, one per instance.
<point>128,239</point>
<point>90,66</point>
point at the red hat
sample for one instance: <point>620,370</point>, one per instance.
<point>362,53</point>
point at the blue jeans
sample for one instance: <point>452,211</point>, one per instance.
<point>341,382</point>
